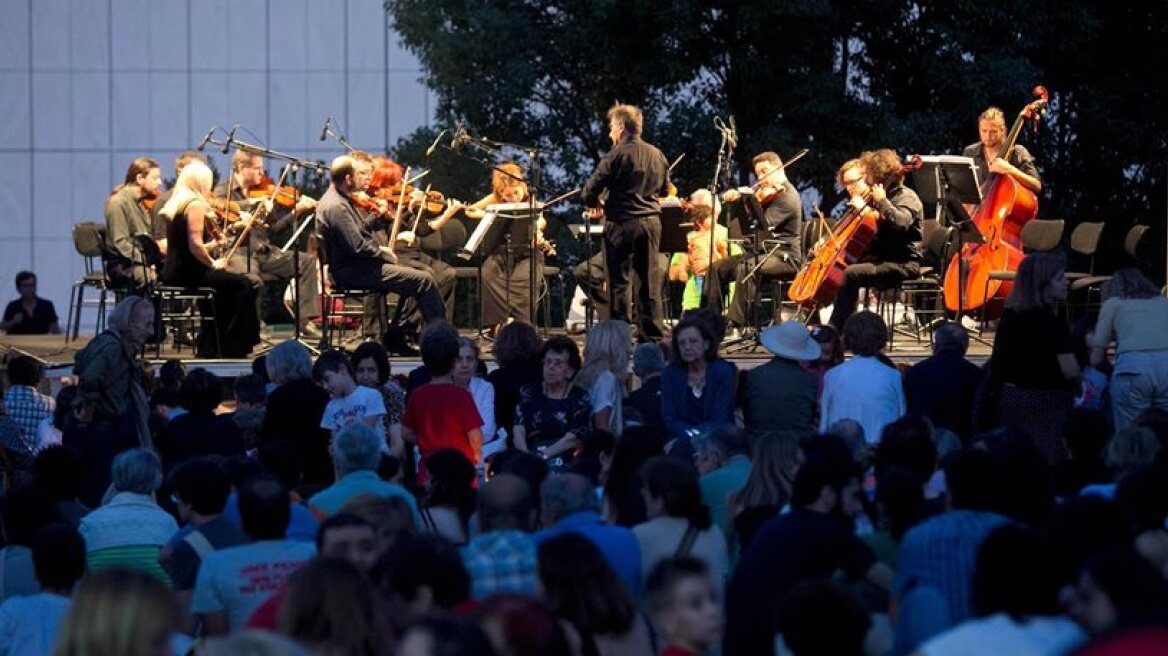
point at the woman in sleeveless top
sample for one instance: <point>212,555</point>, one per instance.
<point>189,264</point>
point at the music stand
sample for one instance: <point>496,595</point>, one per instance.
<point>951,182</point>
<point>674,227</point>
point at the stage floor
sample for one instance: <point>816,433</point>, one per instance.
<point>57,356</point>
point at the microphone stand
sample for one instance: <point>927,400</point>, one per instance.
<point>725,157</point>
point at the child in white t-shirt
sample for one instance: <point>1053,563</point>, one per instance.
<point>351,403</point>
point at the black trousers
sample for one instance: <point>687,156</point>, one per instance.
<point>877,275</point>
<point>508,293</point>
<point>636,241</point>
<point>737,268</point>
<point>392,278</point>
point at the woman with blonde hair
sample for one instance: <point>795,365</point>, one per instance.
<point>120,612</point>
<point>602,375</point>
<point>189,263</point>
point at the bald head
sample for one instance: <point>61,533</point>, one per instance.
<point>505,502</point>
<point>564,494</point>
<point>341,168</point>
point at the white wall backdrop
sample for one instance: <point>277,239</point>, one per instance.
<point>88,85</point>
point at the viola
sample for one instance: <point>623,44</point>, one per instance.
<point>284,196</point>
<point>1005,208</point>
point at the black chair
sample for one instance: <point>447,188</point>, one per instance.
<point>89,242</point>
<point>331,317</point>
<point>177,308</point>
<point>1085,243</point>
<point>1038,236</point>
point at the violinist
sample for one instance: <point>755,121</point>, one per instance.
<point>987,153</point>
<point>781,227</point>
<point>158,222</point>
<point>693,266</point>
<point>189,264</point>
<point>124,218</point>
<point>892,256</point>
<point>259,257</point>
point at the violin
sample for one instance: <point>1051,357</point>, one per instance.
<point>284,196</point>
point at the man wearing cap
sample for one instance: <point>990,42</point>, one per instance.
<point>648,362</point>
<point>780,396</point>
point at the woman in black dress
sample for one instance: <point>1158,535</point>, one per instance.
<point>189,264</point>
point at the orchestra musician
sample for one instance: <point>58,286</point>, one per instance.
<point>124,218</point>
<point>506,294</point>
<point>693,266</point>
<point>189,264</point>
<point>159,224</point>
<point>892,256</point>
<point>259,256</point>
<point>634,173</point>
<point>987,155</point>
<point>355,258</point>
<point>781,233</point>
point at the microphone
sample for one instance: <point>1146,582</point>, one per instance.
<point>325,130</point>
<point>460,138</point>
<point>230,139</point>
<point>434,146</point>
<point>206,138</point>
<point>732,133</point>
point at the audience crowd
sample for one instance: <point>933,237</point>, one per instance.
<point>606,502</point>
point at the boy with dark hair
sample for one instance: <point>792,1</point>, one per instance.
<point>23,403</point>
<point>683,608</point>
<point>250,397</point>
<point>201,487</point>
<point>351,403</point>
<point>442,414</point>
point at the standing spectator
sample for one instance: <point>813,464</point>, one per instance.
<point>466,376</point>
<point>23,403</point>
<point>29,314</point>
<point>113,402</point>
<point>606,362</point>
<point>29,625</point>
<point>1033,363</point>
<point>502,557</point>
<point>943,386</point>
<point>350,403</point>
<point>517,356</point>
<point>441,414</point>
<point>356,453</point>
<point>697,389</point>
<point>553,414</point>
<point>250,397</point>
<point>131,529</point>
<point>295,408</point>
<point>121,612</point>
<point>781,395</point>
<point>200,489</point>
<point>864,388</point>
<point>450,496</point>
<point>1135,315</point>
<point>679,523</point>
<point>684,609</point>
<point>723,460</point>
<point>201,432</point>
<point>233,582</point>
<point>569,506</point>
<point>371,364</point>
<point>648,363</point>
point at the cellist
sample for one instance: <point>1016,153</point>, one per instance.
<point>892,256</point>
<point>987,155</point>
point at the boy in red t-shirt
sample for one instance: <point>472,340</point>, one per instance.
<point>441,414</point>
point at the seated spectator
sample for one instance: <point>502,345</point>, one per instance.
<point>521,624</point>
<point>594,455</point>
<point>697,388</point>
<point>445,635</point>
<point>813,541</point>
<point>831,353</point>
<point>296,404</point>
<point>780,395</point>
<point>1119,594</point>
<point>502,557</point>
<point>569,505</point>
<point>648,363</point>
<point>24,404</point>
<point>822,617</point>
<point>1143,498</point>
<point>685,611</point>
<point>597,612</point>
<point>908,443</point>
<point>372,369</point>
<point>26,511</point>
<point>51,430</point>
<point>723,460</point>
<point>392,518</point>
<point>233,582</point>
<point>1087,435</point>
<point>57,474</point>
<point>171,375</point>
<point>29,625</point>
<point>466,375</point>
<point>603,372</point>
<point>420,576</point>
<point>144,610</point>
<point>29,314</point>
<point>517,359</point>
<point>251,643</point>
<point>356,453</point>
<point>943,386</point>
<point>332,608</point>
<point>250,398</point>
<point>130,530</point>
<point>1021,476</point>
<point>766,492</point>
<point>553,415</point>
<point>679,523</point>
<point>350,403</point>
<point>450,496</point>
<point>1129,449</point>
<point>621,479</point>
<point>864,388</point>
<point>201,432</point>
<point>200,488</point>
<point>440,414</point>
<point>531,468</point>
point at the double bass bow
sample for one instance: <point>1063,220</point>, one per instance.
<point>1006,206</point>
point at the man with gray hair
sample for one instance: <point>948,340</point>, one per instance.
<point>943,386</point>
<point>723,458</point>
<point>294,410</point>
<point>648,363</point>
<point>569,504</point>
<point>356,453</point>
<point>112,403</point>
<point>503,558</point>
<point>130,529</point>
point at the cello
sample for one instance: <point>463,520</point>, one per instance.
<point>1004,209</point>
<point>821,278</point>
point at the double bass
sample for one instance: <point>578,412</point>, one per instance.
<point>821,278</point>
<point>1004,209</point>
